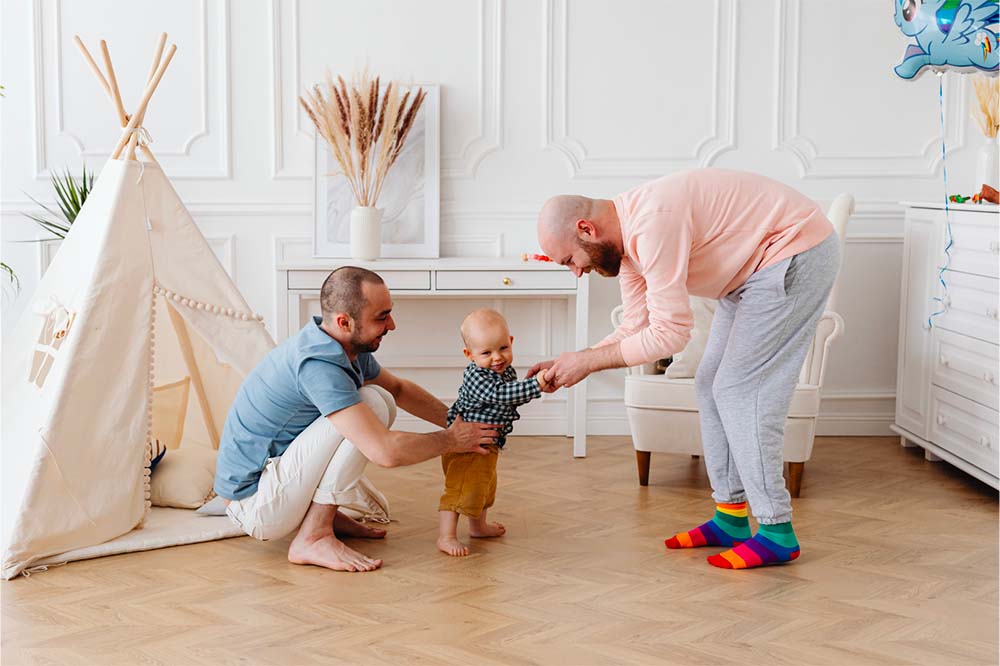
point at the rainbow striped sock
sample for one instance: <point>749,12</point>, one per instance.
<point>773,544</point>
<point>728,527</point>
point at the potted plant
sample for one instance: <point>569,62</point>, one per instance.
<point>365,127</point>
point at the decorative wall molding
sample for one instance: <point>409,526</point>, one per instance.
<point>463,164</point>
<point>288,249</point>
<point>214,109</point>
<point>582,163</point>
<point>810,161</point>
<point>46,252</point>
<point>490,93</point>
<point>224,247</point>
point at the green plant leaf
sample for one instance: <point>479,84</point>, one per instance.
<point>47,209</point>
<point>70,197</point>
<point>11,275</point>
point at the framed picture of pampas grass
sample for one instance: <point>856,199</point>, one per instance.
<point>409,197</point>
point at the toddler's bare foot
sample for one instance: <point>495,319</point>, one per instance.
<point>485,530</point>
<point>329,552</point>
<point>345,526</point>
<point>452,546</point>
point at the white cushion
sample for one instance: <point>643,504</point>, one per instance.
<point>184,478</point>
<point>662,392</point>
<point>686,361</point>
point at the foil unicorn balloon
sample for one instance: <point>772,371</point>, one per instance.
<point>956,35</point>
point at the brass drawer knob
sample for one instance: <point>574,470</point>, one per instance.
<point>507,281</point>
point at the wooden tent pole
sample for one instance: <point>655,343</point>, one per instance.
<point>108,89</point>
<point>180,328</point>
<point>93,65</point>
<point>116,95</point>
<point>152,72</point>
<point>141,110</point>
<point>156,56</point>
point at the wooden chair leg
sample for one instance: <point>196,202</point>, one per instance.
<point>642,463</point>
<point>795,470</point>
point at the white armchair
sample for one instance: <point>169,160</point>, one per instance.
<point>663,412</point>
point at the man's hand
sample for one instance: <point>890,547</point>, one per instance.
<point>467,437</point>
<point>550,386</point>
<point>569,369</point>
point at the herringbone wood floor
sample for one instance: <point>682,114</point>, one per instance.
<point>899,566</point>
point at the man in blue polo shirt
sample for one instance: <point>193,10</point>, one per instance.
<point>312,414</point>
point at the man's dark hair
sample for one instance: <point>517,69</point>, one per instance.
<point>343,291</point>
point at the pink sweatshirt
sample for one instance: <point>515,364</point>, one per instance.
<point>700,232</point>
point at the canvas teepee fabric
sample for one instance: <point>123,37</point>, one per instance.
<point>135,298</point>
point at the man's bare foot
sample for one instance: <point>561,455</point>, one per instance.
<point>452,546</point>
<point>329,552</point>
<point>345,526</point>
<point>485,530</point>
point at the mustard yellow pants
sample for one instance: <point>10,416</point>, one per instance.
<point>470,482</point>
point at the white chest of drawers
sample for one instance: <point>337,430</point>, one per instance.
<point>947,379</point>
<point>432,280</point>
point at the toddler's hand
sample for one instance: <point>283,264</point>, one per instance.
<point>543,380</point>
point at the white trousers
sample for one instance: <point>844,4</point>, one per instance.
<point>318,466</point>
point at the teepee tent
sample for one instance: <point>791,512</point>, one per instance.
<point>135,301</point>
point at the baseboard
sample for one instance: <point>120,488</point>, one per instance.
<point>856,414</point>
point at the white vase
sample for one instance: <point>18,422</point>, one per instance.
<point>366,233</point>
<point>987,165</point>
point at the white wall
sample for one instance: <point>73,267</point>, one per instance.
<point>538,97</point>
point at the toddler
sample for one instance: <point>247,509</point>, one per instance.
<point>490,393</point>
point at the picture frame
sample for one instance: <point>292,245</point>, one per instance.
<point>411,196</point>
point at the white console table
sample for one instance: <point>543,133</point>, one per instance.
<point>299,282</point>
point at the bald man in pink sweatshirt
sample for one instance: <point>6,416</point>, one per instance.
<point>770,257</point>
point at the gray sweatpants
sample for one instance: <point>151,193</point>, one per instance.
<point>760,336</point>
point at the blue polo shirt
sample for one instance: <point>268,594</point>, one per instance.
<point>306,377</point>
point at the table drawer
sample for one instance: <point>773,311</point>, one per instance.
<point>395,280</point>
<point>971,306</point>
<point>965,428</point>
<point>513,280</point>
<point>966,366</point>
<point>976,242</point>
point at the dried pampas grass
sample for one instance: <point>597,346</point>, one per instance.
<point>987,113</point>
<point>364,126</point>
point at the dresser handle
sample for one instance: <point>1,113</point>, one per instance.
<point>991,313</point>
<point>989,378</point>
<point>506,281</point>
<point>943,360</point>
<point>995,247</point>
<point>941,419</point>
<point>985,442</point>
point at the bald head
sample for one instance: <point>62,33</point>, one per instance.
<point>483,323</point>
<point>559,215</point>
<point>581,233</point>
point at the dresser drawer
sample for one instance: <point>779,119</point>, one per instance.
<point>976,242</point>
<point>970,306</point>
<point>965,428</point>
<point>395,280</point>
<point>966,366</point>
<point>472,280</point>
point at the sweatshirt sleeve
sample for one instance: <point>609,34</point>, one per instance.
<point>633,288</point>
<point>662,248</point>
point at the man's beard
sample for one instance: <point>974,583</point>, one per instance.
<point>603,257</point>
<point>361,344</point>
